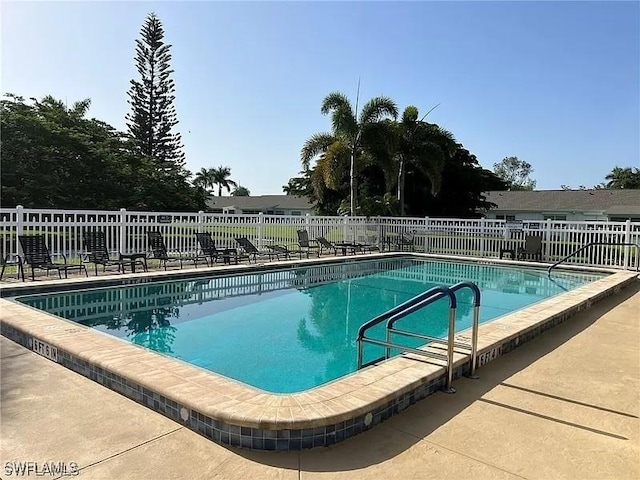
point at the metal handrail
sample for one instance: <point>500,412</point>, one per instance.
<point>591,244</point>
<point>414,304</point>
<point>450,340</point>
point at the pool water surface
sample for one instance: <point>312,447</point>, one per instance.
<point>286,331</point>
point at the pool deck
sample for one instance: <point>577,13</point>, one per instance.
<point>564,405</point>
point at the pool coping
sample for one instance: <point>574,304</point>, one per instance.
<point>233,413</point>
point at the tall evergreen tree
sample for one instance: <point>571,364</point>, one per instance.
<point>153,114</point>
<point>153,117</point>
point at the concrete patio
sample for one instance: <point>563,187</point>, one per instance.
<point>565,405</point>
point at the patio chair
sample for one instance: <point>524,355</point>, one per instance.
<point>158,250</point>
<point>211,254</point>
<point>36,255</point>
<point>306,245</point>
<point>532,248</point>
<point>95,245</point>
<point>326,245</point>
<point>7,260</point>
<point>344,247</point>
<point>251,251</point>
<point>405,241</point>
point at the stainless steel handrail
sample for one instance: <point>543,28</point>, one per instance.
<point>414,304</point>
<point>591,244</point>
<point>423,300</point>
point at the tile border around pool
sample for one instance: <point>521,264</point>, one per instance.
<point>233,413</point>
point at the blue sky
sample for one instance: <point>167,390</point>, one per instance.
<point>554,83</point>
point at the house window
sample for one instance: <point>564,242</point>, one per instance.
<point>269,212</point>
<point>508,218</point>
<point>296,212</point>
<point>279,212</point>
<point>561,218</point>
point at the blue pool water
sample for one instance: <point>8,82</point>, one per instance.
<point>291,330</point>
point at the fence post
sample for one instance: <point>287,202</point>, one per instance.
<point>483,236</point>
<point>425,236</point>
<point>627,239</point>
<point>260,230</point>
<point>200,221</point>
<point>122,247</point>
<point>546,252</point>
<point>19,226</point>
<point>344,229</point>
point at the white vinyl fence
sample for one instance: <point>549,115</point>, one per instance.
<point>126,233</point>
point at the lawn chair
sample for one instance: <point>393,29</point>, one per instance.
<point>345,247</point>
<point>95,244</point>
<point>326,245</point>
<point>6,260</point>
<point>406,241</point>
<point>251,251</point>
<point>532,248</point>
<point>211,253</point>
<point>36,255</point>
<point>159,251</point>
<point>305,244</point>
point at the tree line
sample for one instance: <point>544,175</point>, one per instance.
<point>55,157</point>
<point>374,163</point>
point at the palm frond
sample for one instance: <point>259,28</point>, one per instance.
<point>334,101</point>
<point>378,108</point>
<point>314,146</point>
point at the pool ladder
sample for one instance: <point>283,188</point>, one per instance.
<point>417,303</point>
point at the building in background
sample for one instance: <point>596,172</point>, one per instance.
<point>571,205</point>
<point>267,204</point>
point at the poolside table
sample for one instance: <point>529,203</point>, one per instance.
<point>344,246</point>
<point>135,258</point>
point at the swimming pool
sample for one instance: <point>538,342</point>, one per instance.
<point>285,331</point>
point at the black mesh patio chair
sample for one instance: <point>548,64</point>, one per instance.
<point>307,245</point>
<point>344,247</point>
<point>252,252</point>
<point>532,248</point>
<point>211,254</point>
<point>405,241</point>
<point>36,255</point>
<point>10,260</point>
<point>326,245</point>
<point>95,245</point>
<point>158,251</point>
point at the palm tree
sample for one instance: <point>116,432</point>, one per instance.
<point>240,191</point>
<point>345,139</point>
<point>623,178</point>
<point>221,178</point>
<point>205,179</point>
<point>425,146</point>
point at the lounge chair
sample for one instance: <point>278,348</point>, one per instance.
<point>405,241</point>
<point>326,245</point>
<point>344,247</point>
<point>532,248</point>
<point>306,245</point>
<point>158,250</point>
<point>95,245</point>
<point>251,251</point>
<point>36,255</point>
<point>211,254</point>
<point>7,260</point>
